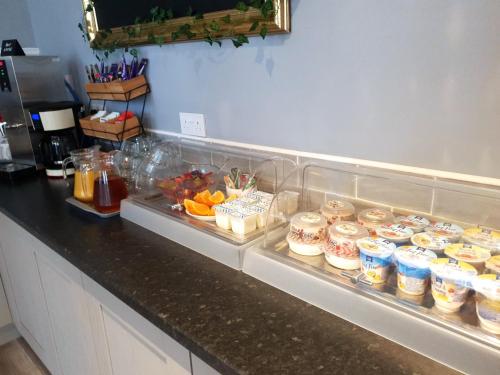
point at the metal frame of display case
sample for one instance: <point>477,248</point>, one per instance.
<point>452,339</point>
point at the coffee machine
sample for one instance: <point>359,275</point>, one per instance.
<point>39,121</point>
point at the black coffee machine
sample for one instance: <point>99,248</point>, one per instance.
<point>54,134</point>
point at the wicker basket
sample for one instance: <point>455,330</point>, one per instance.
<point>118,90</point>
<point>112,131</point>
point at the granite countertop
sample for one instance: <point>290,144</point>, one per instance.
<point>232,321</point>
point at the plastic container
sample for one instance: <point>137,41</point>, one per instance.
<point>372,218</point>
<point>397,233</point>
<point>472,254</point>
<point>493,265</point>
<point>413,264</point>
<point>416,223</point>
<point>337,210</point>
<point>450,282</point>
<point>376,258</point>
<point>307,233</point>
<point>340,248</point>
<point>243,221</point>
<point>487,289</point>
<point>430,241</point>
<point>483,237</point>
<point>223,216</point>
<point>451,231</point>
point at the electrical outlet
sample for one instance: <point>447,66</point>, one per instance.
<point>193,124</point>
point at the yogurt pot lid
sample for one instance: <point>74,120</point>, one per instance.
<point>336,207</point>
<point>488,285</point>
<point>483,236</point>
<point>460,272</point>
<point>307,220</point>
<point>430,241</point>
<point>494,263</point>
<point>376,215</point>
<point>415,256</point>
<point>467,253</point>
<point>394,231</point>
<point>413,221</point>
<point>376,247</point>
<point>445,229</point>
<point>347,229</point>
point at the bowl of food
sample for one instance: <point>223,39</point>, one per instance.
<point>337,210</point>
<point>487,289</point>
<point>340,247</point>
<point>372,218</point>
<point>415,222</point>
<point>307,233</point>
<point>472,254</point>
<point>397,233</point>
<point>452,232</point>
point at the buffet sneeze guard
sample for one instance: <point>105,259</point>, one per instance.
<point>159,207</point>
<point>455,339</point>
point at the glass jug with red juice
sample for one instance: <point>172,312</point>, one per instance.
<point>109,187</point>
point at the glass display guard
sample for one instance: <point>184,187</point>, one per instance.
<point>178,158</point>
<point>464,204</point>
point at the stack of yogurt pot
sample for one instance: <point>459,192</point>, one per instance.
<point>439,256</point>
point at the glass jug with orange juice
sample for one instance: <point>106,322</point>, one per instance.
<point>83,162</point>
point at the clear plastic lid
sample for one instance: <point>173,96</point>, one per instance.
<point>448,230</point>
<point>493,264</point>
<point>394,232</point>
<point>430,241</point>
<point>346,229</point>
<point>415,256</point>
<point>488,285</point>
<point>458,271</point>
<point>376,216</point>
<point>376,247</point>
<point>483,237</point>
<point>337,208</point>
<point>308,221</point>
<point>467,253</point>
<point>414,222</point>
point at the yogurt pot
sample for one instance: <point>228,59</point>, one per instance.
<point>472,254</point>
<point>307,233</point>
<point>451,231</point>
<point>372,218</point>
<point>487,289</point>
<point>243,221</point>
<point>450,282</point>
<point>337,210</point>
<point>397,233</point>
<point>223,216</point>
<point>493,265</point>
<point>430,241</point>
<point>376,258</point>
<point>483,237</point>
<point>340,247</point>
<point>413,264</point>
<point>416,223</point>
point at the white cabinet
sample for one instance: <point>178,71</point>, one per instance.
<point>70,319</point>
<point>24,291</point>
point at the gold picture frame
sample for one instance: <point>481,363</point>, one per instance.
<point>241,23</point>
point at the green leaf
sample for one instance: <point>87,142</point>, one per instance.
<point>240,40</point>
<point>154,10</point>
<point>226,19</point>
<point>175,35</point>
<point>198,16</point>
<point>214,26</point>
<point>80,26</point>
<point>133,52</point>
<point>189,11</point>
<point>137,20</point>
<point>170,13</point>
<point>256,3</point>
<point>218,42</point>
<point>263,31</point>
<point>236,43</point>
<point>241,6</point>
<point>254,26</point>
<point>267,9</point>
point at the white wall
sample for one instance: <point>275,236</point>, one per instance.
<point>15,22</point>
<point>413,82</point>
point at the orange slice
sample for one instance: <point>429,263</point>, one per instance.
<point>217,197</point>
<point>203,197</point>
<point>196,208</point>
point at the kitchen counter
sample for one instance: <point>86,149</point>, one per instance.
<point>232,321</point>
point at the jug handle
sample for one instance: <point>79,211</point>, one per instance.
<point>64,165</point>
